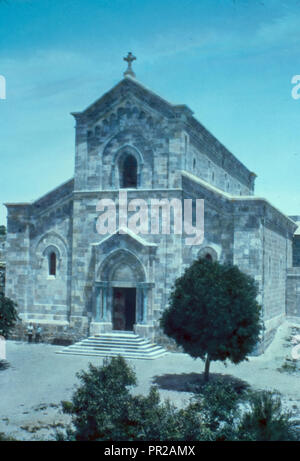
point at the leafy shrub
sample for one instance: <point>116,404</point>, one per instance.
<point>6,438</point>
<point>289,366</point>
<point>266,420</point>
<point>67,407</point>
<point>103,408</point>
<point>8,315</point>
<point>4,365</point>
<point>219,406</point>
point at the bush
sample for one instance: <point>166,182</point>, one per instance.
<point>98,405</point>
<point>4,365</point>
<point>103,409</point>
<point>8,315</point>
<point>265,420</point>
<point>6,438</point>
<point>219,407</point>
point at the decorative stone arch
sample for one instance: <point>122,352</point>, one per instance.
<point>125,152</point>
<point>121,272</point>
<point>208,253</point>
<point>52,238</point>
<point>53,255</point>
<point>121,263</point>
<point>139,142</point>
<point>50,262</point>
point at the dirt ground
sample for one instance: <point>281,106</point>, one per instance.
<point>38,379</point>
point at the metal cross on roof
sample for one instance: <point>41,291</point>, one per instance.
<point>129,59</point>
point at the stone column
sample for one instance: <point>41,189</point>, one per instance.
<point>104,304</point>
<point>144,305</point>
<point>98,303</point>
<point>102,321</point>
<point>144,326</point>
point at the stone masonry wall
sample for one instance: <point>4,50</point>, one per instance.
<point>204,167</point>
<point>293,293</point>
<point>167,259</point>
<point>2,263</point>
<point>17,255</point>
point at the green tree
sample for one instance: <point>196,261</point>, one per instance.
<point>2,230</point>
<point>8,315</point>
<point>213,313</point>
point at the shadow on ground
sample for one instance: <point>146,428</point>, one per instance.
<point>4,365</point>
<point>194,382</point>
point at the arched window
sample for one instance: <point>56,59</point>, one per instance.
<point>128,172</point>
<point>52,263</point>
<point>208,253</point>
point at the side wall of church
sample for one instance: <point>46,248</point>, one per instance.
<point>49,295</point>
<point>2,263</point>
<point>293,279</point>
<point>277,260</point>
<point>263,249</point>
<point>17,255</point>
<point>199,164</point>
<point>34,231</point>
<point>293,294</point>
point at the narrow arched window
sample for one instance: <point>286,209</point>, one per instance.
<point>52,263</point>
<point>208,253</point>
<point>128,172</point>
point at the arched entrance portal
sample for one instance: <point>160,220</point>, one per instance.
<point>123,277</point>
<point>121,293</point>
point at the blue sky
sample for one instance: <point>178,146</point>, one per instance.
<point>230,61</point>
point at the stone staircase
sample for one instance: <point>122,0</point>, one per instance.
<point>127,344</point>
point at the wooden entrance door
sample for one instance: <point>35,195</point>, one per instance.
<point>124,308</point>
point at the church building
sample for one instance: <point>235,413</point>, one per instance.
<point>66,276</point>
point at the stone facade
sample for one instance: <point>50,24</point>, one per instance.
<point>65,275</point>
<point>2,263</point>
<point>293,278</point>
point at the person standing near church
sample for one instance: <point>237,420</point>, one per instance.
<point>38,333</point>
<point>30,332</point>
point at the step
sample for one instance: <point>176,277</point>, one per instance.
<point>126,344</point>
<point>115,343</point>
<point>115,349</point>
<point>112,354</point>
<point>113,340</point>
